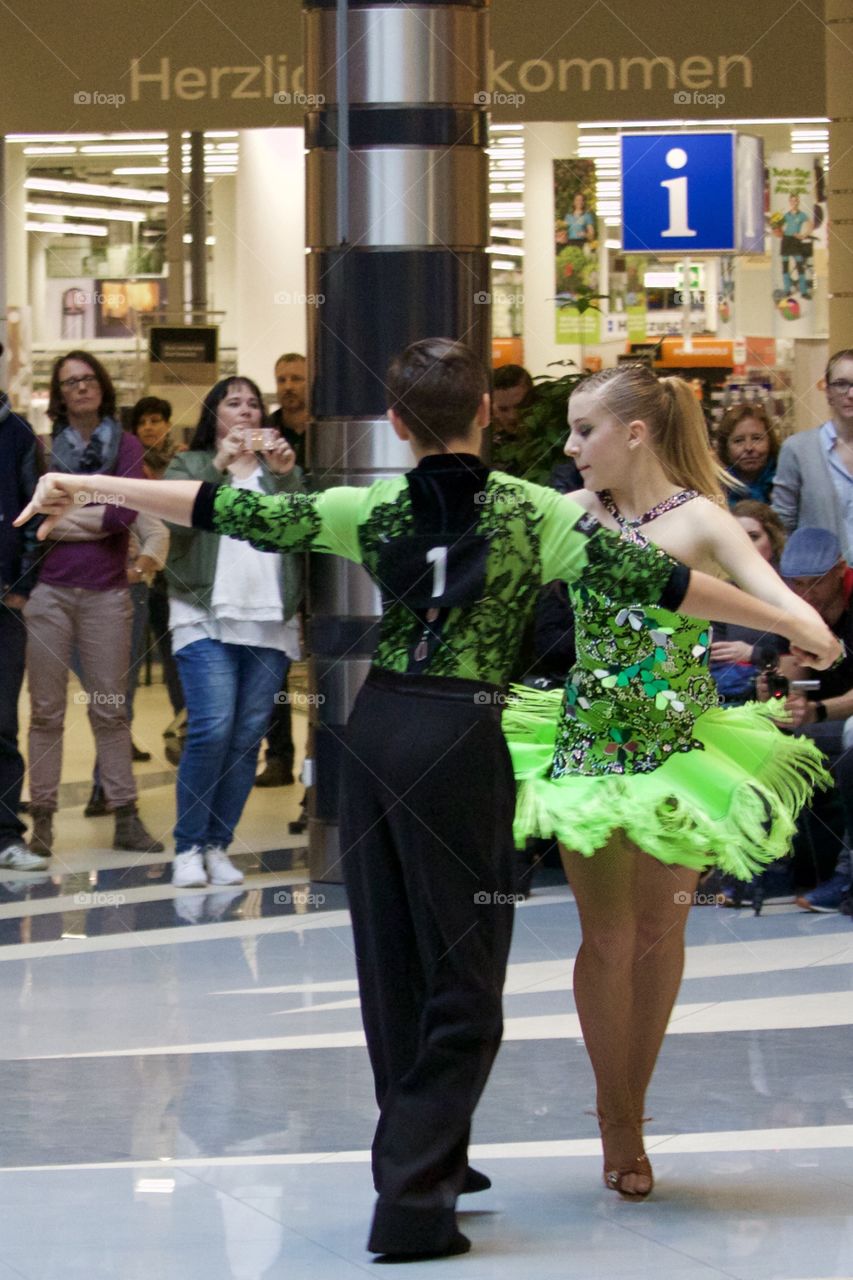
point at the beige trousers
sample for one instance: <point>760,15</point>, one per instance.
<point>97,624</point>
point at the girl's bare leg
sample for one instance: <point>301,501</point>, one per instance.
<point>663,897</point>
<point>633,910</point>
<point>603,984</point>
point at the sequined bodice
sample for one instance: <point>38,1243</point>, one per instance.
<point>640,681</point>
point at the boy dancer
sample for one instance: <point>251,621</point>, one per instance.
<point>459,553</point>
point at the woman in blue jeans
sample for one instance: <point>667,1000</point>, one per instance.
<point>232,617</point>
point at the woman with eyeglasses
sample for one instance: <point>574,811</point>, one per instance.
<point>82,602</point>
<point>814,476</point>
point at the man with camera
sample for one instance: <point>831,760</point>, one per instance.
<point>820,704</point>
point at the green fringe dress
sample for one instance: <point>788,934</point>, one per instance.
<point>637,742</point>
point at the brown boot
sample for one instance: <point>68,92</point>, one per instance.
<point>41,840</point>
<point>131,832</point>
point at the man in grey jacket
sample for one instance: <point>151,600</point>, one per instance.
<point>814,478</point>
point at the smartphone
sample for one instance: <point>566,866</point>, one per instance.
<point>260,438</point>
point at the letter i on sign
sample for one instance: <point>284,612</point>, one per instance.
<point>676,158</point>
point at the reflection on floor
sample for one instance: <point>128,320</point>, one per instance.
<point>186,1090</point>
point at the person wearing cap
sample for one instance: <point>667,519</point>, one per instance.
<point>813,566</point>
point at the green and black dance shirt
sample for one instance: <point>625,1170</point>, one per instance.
<point>458,552</point>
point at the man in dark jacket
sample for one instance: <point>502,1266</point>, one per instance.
<point>19,472</point>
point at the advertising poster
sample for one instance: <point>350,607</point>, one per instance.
<point>635,297</point>
<point>797,224</point>
<point>577,252</point>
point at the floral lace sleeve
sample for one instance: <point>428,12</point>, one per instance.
<point>577,548</point>
<point>327,521</point>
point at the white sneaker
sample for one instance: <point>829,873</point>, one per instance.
<point>188,869</point>
<point>18,858</point>
<point>220,868</point>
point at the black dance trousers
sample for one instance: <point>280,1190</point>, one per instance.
<point>426,833</point>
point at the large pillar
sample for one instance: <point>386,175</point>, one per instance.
<point>839,101</point>
<point>397,228</point>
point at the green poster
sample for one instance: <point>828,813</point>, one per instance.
<point>636,266</point>
<point>577,252</point>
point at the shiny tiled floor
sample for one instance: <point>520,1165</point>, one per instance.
<point>186,1091</point>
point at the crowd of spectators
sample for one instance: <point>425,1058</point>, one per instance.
<point>110,584</point>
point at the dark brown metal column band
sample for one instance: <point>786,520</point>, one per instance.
<point>397,228</point>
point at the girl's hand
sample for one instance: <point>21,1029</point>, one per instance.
<point>813,644</point>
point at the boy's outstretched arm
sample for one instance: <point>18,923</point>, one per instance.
<point>326,521</point>
<point>57,492</point>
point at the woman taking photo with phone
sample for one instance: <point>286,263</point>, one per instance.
<point>232,617</point>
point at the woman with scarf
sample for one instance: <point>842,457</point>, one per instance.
<point>82,602</point>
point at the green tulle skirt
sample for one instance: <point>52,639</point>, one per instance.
<point>733,805</point>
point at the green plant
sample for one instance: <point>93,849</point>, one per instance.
<point>584,300</point>
<point>542,431</point>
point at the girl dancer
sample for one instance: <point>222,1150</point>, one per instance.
<point>640,774</point>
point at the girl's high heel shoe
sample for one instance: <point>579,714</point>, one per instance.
<point>614,1178</point>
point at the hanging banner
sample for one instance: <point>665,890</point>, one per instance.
<point>797,223</point>
<point>578,269</point>
<point>223,64</point>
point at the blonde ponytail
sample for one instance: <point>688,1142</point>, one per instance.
<point>682,445</point>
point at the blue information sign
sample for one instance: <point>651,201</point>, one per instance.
<point>678,192</point>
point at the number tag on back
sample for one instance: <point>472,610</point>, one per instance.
<point>425,573</point>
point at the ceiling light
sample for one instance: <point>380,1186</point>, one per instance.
<point>703,124</point>
<point>96,189</point>
<point>66,228</point>
<point>86,211</point>
<point>135,171</point>
<point>84,137</point>
<point>131,149</point>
